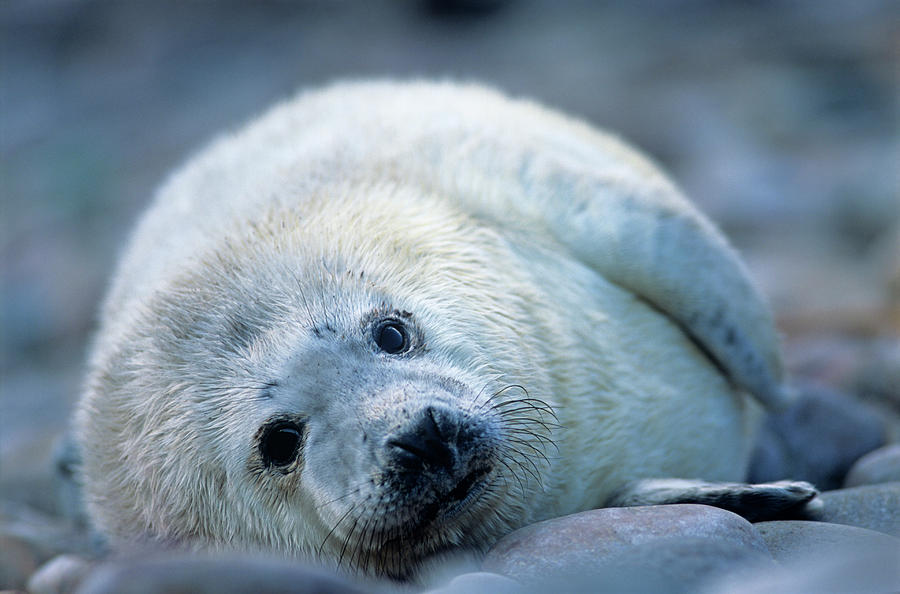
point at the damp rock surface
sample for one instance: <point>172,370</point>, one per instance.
<point>817,439</point>
<point>670,548</point>
<point>879,466</point>
<point>791,540</point>
<point>211,575</point>
<point>777,119</point>
<point>870,506</point>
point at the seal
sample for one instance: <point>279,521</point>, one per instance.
<point>388,320</point>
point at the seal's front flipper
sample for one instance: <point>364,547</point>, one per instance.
<point>755,502</point>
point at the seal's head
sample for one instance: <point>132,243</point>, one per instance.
<point>303,388</point>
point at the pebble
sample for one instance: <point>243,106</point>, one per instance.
<point>480,582</point>
<point>878,377</point>
<point>667,548</point>
<point>792,540</point>
<point>847,572</point>
<point>679,565</point>
<point>879,466</point>
<point>817,439</point>
<point>214,575</point>
<point>29,538</point>
<point>18,559</point>
<point>60,575</point>
<point>866,367</point>
<point>876,507</point>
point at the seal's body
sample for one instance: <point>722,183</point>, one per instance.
<point>387,320</point>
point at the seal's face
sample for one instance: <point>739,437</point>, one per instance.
<point>401,458</point>
<point>303,395</point>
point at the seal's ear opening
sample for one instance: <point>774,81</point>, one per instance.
<point>280,442</point>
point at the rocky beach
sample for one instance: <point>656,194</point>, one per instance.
<point>780,119</point>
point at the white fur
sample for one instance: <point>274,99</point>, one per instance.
<point>534,250</point>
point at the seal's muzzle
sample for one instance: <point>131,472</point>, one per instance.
<point>441,454</point>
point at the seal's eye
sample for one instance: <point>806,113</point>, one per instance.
<point>280,443</point>
<point>391,337</point>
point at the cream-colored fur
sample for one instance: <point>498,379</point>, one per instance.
<point>532,249</point>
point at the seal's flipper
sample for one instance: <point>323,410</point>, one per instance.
<point>624,219</point>
<point>755,502</point>
<point>647,239</point>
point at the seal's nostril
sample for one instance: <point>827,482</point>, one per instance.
<point>408,453</point>
<point>422,444</point>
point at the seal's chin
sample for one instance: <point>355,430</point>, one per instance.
<point>405,528</point>
<point>445,524</point>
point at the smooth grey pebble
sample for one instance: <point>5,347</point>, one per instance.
<point>848,572</point>
<point>793,539</point>
<point>653,548</point>
<point>876,507</point>
<point>879,466</point>
<point>60,575</point>
<point>817,439</point>
<point>214,575</point>
<point>480,582</point>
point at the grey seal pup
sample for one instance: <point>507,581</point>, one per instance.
<point>388,320</point>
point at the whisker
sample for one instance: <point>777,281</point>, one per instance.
<point>543,439</point>
<point>335,500</point>
<point>371,546</point>
<point>535,474</point>
<point>333,528</point>
<point>361,548</point>
<point>525,422</point>
<point>527,404</point>
<point>537,451</point>
<point>349,536</point>
<point>532,402</point>
<point>514,474</point>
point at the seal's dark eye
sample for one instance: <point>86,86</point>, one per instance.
<point>391,337</point>
<point>280,443</point>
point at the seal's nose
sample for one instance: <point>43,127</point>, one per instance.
<point>429,440</point>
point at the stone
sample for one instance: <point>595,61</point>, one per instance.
<point>680,564</point>
<point>817,439</point>
<point>47,535</point>
<point>792,540</point>
<point>879,466</point>
<point>18,559</point>
<point>665,548</point>
<point>876,507</point>
<point>215,575</point>
<point>859,572</point>
<point>878,378</point>
<point>29,538</point>
<point>480,582</point>
<point>60,575</point>
<point>866,367</point>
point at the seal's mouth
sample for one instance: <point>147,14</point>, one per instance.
<point>464,493</point>
<point>420,534</point>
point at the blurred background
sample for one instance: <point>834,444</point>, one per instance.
<point>778,117</point>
